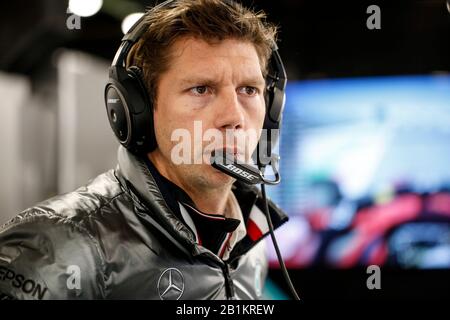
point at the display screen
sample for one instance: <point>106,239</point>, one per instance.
<point>365,167</point>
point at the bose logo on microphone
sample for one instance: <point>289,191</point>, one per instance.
<point>240,172</point>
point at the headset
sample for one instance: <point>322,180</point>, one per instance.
<point>130,114</point>
<point>130,109</point>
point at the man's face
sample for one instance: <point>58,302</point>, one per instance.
<point>216,88</point>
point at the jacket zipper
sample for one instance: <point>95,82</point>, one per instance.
<point>229,286</point>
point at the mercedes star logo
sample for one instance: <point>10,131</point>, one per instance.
<point>171,284</point>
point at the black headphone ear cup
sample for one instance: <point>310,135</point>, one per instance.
<point>137,76</point>
<point>275,99</point>
<point>129,109</point>
<point>144,139</point>
<point>275,111</point>
<point>118,112</point>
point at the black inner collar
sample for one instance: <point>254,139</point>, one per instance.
<point>212,229</point>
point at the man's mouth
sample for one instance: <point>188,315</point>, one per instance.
<point>234,151</point>
<point>232,154</point>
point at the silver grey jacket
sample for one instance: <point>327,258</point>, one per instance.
<point>116,238</point>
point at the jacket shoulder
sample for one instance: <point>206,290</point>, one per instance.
<point>51,252</point>
<point>78,204</point>
<point>49,258</point>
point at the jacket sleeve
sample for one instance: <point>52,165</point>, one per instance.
<point>44,256</point>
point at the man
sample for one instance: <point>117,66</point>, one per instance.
<point>155,228</point>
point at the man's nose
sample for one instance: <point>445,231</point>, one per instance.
<point>230,112</point>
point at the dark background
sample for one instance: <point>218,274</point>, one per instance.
<point>317,38</point>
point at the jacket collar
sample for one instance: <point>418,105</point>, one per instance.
<point>135,176</point>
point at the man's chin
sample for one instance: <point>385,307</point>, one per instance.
<point>219,179</point>
<point>205,176</point>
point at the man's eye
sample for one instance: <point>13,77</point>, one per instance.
<point>199,90</point>
<point>249,91</point>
